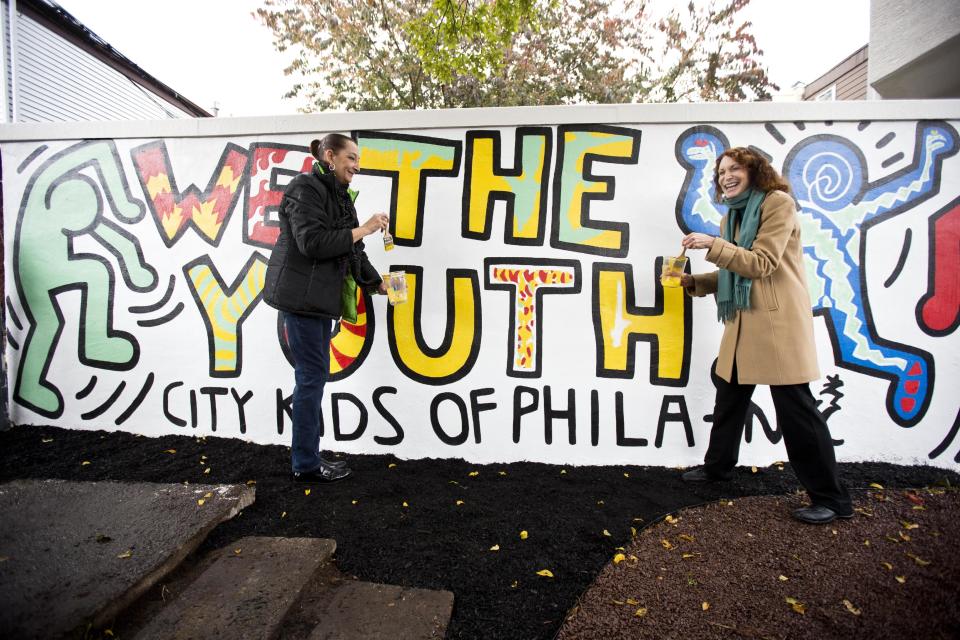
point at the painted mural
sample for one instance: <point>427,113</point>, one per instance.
<point>535,326</point>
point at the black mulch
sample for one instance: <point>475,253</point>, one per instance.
<point>575,517</point>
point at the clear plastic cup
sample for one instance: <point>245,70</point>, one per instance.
<point>672,269</point>
<point>396,282</point>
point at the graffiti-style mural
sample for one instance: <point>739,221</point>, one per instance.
<point>536,326</point>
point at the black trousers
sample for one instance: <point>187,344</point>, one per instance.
<point>805,434</point>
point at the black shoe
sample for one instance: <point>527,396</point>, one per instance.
<point>325,473</point>
<point>336,464</point>
<point>700,475</point>
<point>818,514</point>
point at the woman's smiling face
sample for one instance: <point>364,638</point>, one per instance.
<point>733,177</point>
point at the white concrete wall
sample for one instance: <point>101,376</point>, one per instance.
<point>134,257</point>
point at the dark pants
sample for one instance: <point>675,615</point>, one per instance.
<point>309,340</point>
<point>805,434</point>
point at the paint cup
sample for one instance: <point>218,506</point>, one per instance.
<point>671,270</point>
<point>396,286</point>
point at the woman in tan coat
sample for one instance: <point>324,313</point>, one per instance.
<point>763,302</point>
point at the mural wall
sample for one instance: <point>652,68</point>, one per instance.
<point>536,328</point>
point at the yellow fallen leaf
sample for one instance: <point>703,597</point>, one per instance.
<point>200,502</point>
<point>600,502</point>
<point>501,473</point>
<point>170,451</point>
<point>207,470</point>
<point>46,440</point>
<point>626,475</point>
<point>866,543</point>
<point>670,519</point>
<point>606,533</point>
<point>473,473</point>
<point>250,483</point>
<point>796,605</point>
<point>617,559</point>
<point>108,632</point>
<point>782,578</point>
<point>633,532</point>
<point>546,573</point>
<point>632,602</point>
<point>495,547</point>
<point>524,535</point>
<point>620,602</point>
<point>909,525</point>
<point>753,469</point>
<point>901,579</point>
<point>705,605</point>
<point>306,492</point>
<point>391,465</point>
<point>887,566</point>
<point>687,556</point>
<point>852,609</point>
<point>919,507</point>
<point>642,611</point>
<point>459,502</point>
<point>729,503</point>
<point>353,502</point>
<point>666,544</point>
<point>563,471</point>
<point>283,515</point>
<point>513,585</point>
<point>126,554</point>
<point>920,561</point>
<point>906,537</point>
<point>237,551</point>
<point>84,463</point>
<point>208,495</point>
<point>686,536</point>
<point>405,505</point>
<point>876,485</point>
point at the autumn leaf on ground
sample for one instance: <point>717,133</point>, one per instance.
<point>563,471</point>
<point>909,525</point>
<point>705,605</point>
<point>920,561</point>
<point>865,512</point>
<point>495,547</point>
<point>618,602</point>
<point>686,536</point>
<point>501,473</point>
<point>237,551</point>
<point>473,474</point>
<point>524,535</point>
<point>250,483</point>
<point>546,573</point>
<point>207,470</point>
<point>687,556</point>
<point>46,440</point>
<point>126,554</point>
<point>283,515</point>
<point>852,609</point>
<point>459,502</point>
<point>632,602</point>
<point>796,605</point>
<point>782,578</point>
<point>200,502</point>
<point>170,451</point>
<point>617,559</point>
<point>84,463</point>
<point>600,502</point>
<point>887,566</point>
<point>901,579</point>
<point>914,498</point>
<point>670,519</point>
<point>208,495</point>
<point>642,611</point>
<point>626,475</point>
<point>606,533</point>
<point>405,505</point>
<point>906,537</point>
<point>876,485</point>
<point>306,492</point>
<point>753,469</point>
<point>513,585</point>
<point>666,544</point>
<point>391,465</point>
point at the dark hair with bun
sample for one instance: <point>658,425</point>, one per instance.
<point>333,141</point>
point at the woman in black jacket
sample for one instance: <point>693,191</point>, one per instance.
<point>320,242</point>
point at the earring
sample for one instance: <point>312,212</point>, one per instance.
<point>333,167</point>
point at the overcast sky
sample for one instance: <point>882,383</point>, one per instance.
<point>215,52</point>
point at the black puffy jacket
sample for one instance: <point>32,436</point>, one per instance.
<point>314,249</point>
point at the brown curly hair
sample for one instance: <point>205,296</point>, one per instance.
<point>762,174</point>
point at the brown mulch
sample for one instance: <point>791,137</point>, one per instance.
<point>744,568</point>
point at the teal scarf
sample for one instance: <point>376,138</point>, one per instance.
<point>733,290</point>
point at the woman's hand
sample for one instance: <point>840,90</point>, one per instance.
<point>382,289</point>
<point>697,241</point>
<point>376,222</point>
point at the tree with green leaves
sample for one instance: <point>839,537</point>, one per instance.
<point>413,54</point>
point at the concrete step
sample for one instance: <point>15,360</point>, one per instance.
<point>77,553</point>
<point>368,611</point>
<point>245,594</point>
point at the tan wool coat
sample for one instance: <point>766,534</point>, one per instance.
<point>772,342</point>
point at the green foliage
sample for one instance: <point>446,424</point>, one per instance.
<point>412,54</point>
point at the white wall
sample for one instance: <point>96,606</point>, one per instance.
<point>878,185</point>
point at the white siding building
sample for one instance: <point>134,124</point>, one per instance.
<point>57,70</point>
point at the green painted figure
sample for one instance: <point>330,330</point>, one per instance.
<point>62,201</point>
